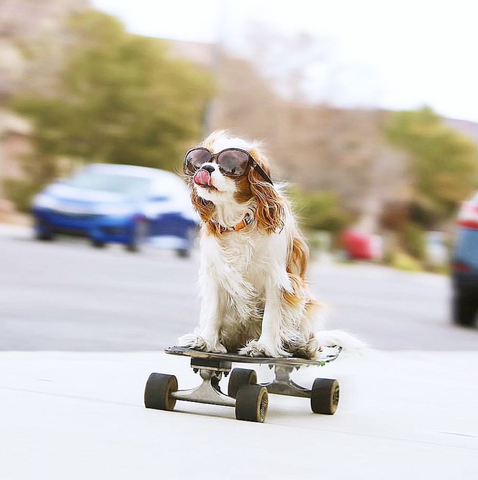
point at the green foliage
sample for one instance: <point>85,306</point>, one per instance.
<point>319,210</point>
<point>414,241</point>
<point>440,269</point>
<point>404,261</point>
<point>319,240</point>
<point>121,99</point>
<point>20,192</point>
<point>444,163</point>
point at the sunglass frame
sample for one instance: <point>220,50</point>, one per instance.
<point>251,163</point>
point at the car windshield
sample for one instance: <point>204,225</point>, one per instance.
<point>131,186</point>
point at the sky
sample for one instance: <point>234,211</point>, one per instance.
<point>378,53</point>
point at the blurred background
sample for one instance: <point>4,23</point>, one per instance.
<point>366,108</point>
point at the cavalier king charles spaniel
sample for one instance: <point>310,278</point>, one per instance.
<point>255,299</point>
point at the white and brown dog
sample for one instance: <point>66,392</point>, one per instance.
<point>255,299</point>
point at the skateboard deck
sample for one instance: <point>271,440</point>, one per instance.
<point>328,354</point>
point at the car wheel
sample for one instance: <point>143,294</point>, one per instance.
<point>464,311</point>
<point>44,236</point>
<point>191,237</point>
<point>43,232</point>
<point>98,243</point>
<point>139,235</point>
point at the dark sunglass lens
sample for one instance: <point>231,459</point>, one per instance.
<point>233,162</point>
<point>196,158</point>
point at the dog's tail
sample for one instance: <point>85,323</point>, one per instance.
<point>349,343</point>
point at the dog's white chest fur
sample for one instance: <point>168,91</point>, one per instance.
<point>238,262</point>
<point>245,266</point>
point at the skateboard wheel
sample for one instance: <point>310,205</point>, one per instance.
<point>325,396</point>
<point>251,403</point>
<point>238,378</point>
<point>157,393</point>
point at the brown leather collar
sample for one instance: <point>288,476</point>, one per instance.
<point>247,220</point>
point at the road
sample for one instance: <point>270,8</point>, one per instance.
<point>68,296</point>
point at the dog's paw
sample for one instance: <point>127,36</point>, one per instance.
<point>216,348</point>
<point>213,344</point>
<point>196,342</point>
<point>191,340</point>
<point>306,350</point>
<point>256,349</point>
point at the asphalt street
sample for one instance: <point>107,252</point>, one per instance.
<point>68,296</point>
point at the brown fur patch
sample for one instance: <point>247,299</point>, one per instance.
<point>270,206</point>
<point>244,193</point>
<point>295,298</point>
<point>206,209</point>
<point>298,257</point>
<point>312,306</point>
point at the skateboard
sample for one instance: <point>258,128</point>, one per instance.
<point>249,398</point>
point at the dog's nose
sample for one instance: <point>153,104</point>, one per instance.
<point>209,168</point>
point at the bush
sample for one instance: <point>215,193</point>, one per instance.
<point>319,210</point>
<point>404,261</point>
<point>20,192</point>
<point>319,240</point>
<point>414,241</point>
<point>440,269</point>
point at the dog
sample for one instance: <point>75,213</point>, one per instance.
<point>254,296</point>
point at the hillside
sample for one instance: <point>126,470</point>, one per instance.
<point>27,55</point>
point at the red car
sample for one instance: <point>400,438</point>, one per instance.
<point>361,246</point>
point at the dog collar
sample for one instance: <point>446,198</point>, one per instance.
<point>247,220</point>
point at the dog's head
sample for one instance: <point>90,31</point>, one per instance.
<point>225,171</point>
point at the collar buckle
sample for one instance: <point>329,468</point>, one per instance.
<point>245,222</point>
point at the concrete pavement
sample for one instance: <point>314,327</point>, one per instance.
<point>402,415</point>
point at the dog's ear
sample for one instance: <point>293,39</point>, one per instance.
<point>270,204</point>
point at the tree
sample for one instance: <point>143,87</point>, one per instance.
<point>442,162</point>
<point>319,210</point>
<point>120,99</point>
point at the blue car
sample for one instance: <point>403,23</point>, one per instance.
<point>118,204</point>
<point>465,265</point>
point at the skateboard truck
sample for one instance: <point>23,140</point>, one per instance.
<point>283,385</point>
<point>249,398</point>
<point>211,372</point>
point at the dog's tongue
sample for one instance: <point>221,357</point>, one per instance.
<point>202,177</point>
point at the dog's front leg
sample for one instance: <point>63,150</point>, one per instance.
<point>269,343</point>
<point>206,337</point>
<point>211,318</point>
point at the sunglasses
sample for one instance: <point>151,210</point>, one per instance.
<point>232,162</point>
